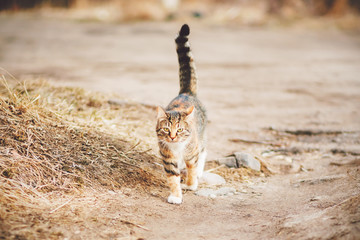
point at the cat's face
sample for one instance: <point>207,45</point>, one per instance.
<point>174,126</point>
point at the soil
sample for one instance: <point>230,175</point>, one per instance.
<point>290,97</point>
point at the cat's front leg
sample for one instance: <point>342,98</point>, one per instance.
<point>173,178</point>
<point>175,196</point>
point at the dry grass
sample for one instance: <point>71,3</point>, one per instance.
<point>57,141</point>
<point>235,175</point>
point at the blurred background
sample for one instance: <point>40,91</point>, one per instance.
<point>247,12</point>
<point>261,63</point>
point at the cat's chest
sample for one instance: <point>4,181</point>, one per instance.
<point>177,148</point>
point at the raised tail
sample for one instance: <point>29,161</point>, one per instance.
<point>187,70</point>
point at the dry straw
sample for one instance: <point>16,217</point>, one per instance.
<point>59,141</point>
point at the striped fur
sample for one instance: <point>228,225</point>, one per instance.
<point>181,126</point>
<point>187,70</point>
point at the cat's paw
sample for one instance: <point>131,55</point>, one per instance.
<point>190,187</point>
<point>174,200</point>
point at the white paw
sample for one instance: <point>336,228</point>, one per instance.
<point>174,200</point>
<point>191,187</point>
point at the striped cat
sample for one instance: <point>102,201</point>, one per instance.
<point>181,126</point>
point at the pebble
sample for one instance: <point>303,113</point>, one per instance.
<point>212,179</point>
<point>212,196</point>
<point>208,192</point>
<point>289,159</point>
<point>225,191</point>
<point>228,161</point>
<point>205,192</point>
<point>245,159</point>
<point>317,198</point>
<point>239,159</point>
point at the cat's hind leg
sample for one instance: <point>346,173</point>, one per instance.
<point>191,180</point>
<point>201,163</point>
<point>192,172</point>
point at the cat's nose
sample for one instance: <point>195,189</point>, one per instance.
<point>172,135</point>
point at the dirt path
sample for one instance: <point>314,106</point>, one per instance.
<point>250,80</point>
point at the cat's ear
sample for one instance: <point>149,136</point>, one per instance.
<point>190,112</point>
<point>160,112</point>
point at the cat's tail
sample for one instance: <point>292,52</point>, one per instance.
<point>187,70</point>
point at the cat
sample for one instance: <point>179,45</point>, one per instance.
<point>181,126</point>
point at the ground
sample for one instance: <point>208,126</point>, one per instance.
<point>287,96</point>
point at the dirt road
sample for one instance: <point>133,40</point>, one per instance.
<point>258,84</point>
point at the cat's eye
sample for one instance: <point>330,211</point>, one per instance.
<point>167,129</point>
<point>180,129</point>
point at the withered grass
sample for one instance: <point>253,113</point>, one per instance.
<point>57,143</point>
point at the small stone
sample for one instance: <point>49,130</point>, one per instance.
<point>212,179</point>
<point>225,191</point>
<point>245,159</point>
<point>288,159</point>
<point>228,161</point>
<point>212,196</point>
<point>268,153</point>
<point>205,192</point>
<point>317,198</point>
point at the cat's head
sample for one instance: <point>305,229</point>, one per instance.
<point>174,126</point>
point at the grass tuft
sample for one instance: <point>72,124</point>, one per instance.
<point>57,142</point>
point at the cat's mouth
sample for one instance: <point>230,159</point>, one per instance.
<point>170,140</point>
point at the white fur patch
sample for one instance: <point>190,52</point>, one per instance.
<point>174,200</point>
<point>178,150</point>
<point>201,164</point>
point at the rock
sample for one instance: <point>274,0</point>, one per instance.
<point>205,192</point>
<point>239,159</point>
<point>245,159</point>
<point>211,193</point>
<point>317,198</point>
<point>225,191</point>
<point>314,181</point>
<point>212,179</point>
<point>228,161</point>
